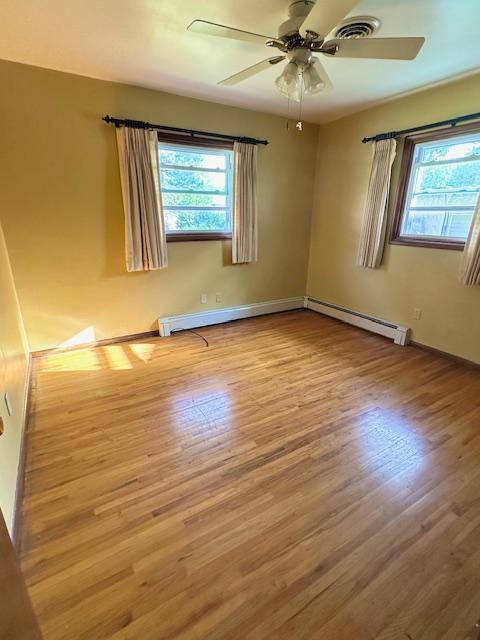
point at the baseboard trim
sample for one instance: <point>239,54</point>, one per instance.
<point>445,354</point>
<point>97,343</point>
<point>397,333</point>
<point>22,461</point>
<point>218,316</point>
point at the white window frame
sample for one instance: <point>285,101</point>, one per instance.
<point>210,150</point>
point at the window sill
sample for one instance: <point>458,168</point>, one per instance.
<point>429,244</point>
<point>193,237</point>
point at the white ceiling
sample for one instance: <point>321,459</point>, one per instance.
<point>145,42</point>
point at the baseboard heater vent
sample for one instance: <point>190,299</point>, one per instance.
<point>227,314</point>
<point>398,333</point>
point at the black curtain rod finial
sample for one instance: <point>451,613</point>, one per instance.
<point>108,119</point>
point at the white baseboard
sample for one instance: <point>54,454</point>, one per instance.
<point>217,316</point>
<point>398,333</point>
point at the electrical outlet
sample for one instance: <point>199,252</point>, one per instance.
<point>204,298</point>
<point>7,404</point>
<point>417,314</point>
<point>218,296</point>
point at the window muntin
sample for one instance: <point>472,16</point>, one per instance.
<point>196,184</point>
<point>443,188</point>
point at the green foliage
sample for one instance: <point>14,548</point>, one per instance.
<point>196,182</point>
<point>452,176</point>
<point>464,175</point>
<point>196,220</point>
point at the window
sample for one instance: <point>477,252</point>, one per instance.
<point>439,188</point>
<point>196,181</point>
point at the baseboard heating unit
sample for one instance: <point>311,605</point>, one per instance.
<point>398,333</point>
<point>218,316</point>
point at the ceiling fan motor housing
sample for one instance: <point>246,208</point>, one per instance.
<point>297,13</point>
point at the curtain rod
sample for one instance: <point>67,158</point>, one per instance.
<point>434,125</point>
<point>139,124</point>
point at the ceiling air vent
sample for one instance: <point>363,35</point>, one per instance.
<point>357,27</point>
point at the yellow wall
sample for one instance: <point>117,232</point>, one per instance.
<point>63,219</point>
<point>13,369</point>
<point>411,277</point>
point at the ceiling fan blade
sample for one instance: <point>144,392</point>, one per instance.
<point>251,71</point>
<point>381,48</point>
<point>222,31</point>
<point>325,15</point>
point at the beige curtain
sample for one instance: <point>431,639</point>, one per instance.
<point>245,232</point>
<point>372,236</point>
<point>470,266</point>
<point>145,240</point>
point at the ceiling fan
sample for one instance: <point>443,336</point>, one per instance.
<point>306,32</point>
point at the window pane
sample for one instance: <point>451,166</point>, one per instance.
<point>450,150</point>
<point>443,224</point>
<point>191,158</point>
<point>185,220</point>
<point>441,198</point>
<point>185,180</point>
<point>193,200</point>
<point>453,176</point>
<point>196,188</point>
<point>435,199</point>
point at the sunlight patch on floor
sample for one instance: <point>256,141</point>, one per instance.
<point>81,360</point>
<point>143,351</point>
<point>117,358</point>
<point>114,357</point>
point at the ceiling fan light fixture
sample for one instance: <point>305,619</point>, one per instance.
<point>288,82</point>
<point>312,81</point>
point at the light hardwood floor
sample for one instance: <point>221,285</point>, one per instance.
<point>297,479</point>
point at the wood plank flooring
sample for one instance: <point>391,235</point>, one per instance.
<point>297,479</point>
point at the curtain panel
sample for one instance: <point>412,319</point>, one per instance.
<point>145,239</point>
<point>470,266</point>
<point>245,223</point>
<point>372,236</point>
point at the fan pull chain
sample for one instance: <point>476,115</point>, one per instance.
<point>299,124</point>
